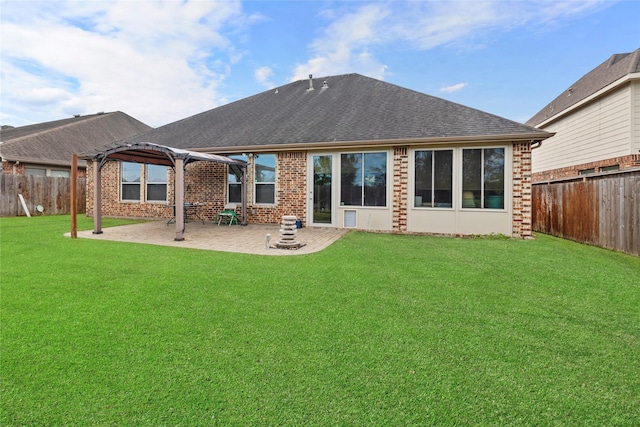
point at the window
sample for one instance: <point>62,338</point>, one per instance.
<point>265,178</point>
<point>363,179</point>
<point>433,178</point>
<point>35,171</point>
<point>60,173</point>
<point>483,178</point>
<point>156,179</point>
<point>130,181</point>
<point>587,171</point>
<point>234,181</point>
<point>610,168</point>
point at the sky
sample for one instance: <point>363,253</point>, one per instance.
<point>163,61</point>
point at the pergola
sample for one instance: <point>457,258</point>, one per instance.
<point>150,153</point>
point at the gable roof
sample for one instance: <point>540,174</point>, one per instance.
<point>348,109</point>
<point>611,70</point>
<point>55,142</point>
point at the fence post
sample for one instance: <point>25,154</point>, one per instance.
<point>74,196</point>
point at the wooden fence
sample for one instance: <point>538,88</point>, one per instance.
<point>598,210</point>
<point>52,193</point>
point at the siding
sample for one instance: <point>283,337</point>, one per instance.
<point>597,131</point>
<point>635,116</point>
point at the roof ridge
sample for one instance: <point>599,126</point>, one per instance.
<point>70,124</point>
<point>634,66</point>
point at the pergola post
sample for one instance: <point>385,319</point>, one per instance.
<point>179,199</point>
<point>244,195</point>
<point>97,198</point>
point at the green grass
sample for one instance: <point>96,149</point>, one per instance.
<point>375,330</point>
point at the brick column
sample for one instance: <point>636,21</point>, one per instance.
<point>521,203</point>
<point>400,188</point>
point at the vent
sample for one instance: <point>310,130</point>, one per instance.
<point>310,82</point>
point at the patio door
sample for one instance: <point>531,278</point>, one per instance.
<point>320,198</point>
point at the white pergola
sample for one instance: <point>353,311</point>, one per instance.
<point>150,153</point>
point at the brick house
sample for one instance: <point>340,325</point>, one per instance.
<point>596,122</point>
<point>340,151</point>
<point>45,149</point>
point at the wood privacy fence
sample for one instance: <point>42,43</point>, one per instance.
<point>597,210</point>
<point>52,193</point>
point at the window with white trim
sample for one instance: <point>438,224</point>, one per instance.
<point>130,180</point>
<point>483,183</point>
<point>264,178</point>
<point>433,178</point>
<point>156,182</point>
<point>363,179</point>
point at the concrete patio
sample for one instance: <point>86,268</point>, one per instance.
<point>250,239</point>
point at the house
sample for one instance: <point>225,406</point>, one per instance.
<point>339,151</point>
<point>46,148</point>
<point>596,122</point>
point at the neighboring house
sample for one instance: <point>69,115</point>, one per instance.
<point>340,151</point>
<point>596,122</point>
<point>46,148</point>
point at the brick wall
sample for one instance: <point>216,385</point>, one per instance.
<point>206,182</point>
<point>521,186</point>
<point>624,162</point>
<point>291,190</point>
<point>400,188</point>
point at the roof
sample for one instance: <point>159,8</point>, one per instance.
<point>350,108</point>
<point>55,142</point>
<point>613,69</point>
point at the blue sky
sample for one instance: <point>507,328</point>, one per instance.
<point>163,61</point>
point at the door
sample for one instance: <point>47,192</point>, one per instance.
<point>321,190</point>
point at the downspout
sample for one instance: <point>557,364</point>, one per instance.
<point>534,146</point>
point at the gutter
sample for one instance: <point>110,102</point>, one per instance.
<point>483,139</point>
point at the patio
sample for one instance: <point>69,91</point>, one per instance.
<point>250,239</point>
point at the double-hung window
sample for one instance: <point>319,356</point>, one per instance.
<point>483,178</point>
<point>265,178</point>
<point>156,180</point>
<point>363,179</point>
<point>433,178</point>
<point>130,181</point>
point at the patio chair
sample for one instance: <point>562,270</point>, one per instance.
<point>228,215</point>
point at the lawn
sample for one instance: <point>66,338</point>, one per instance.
<point>375,330</point>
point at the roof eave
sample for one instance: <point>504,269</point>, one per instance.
<point>482,139</point>
<point>43,162</point>
<point>605,90</point>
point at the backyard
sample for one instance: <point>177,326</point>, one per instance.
<point>375,330</point>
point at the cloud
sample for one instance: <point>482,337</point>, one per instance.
<point>263,76</point>
<point>344,46</point>
<point>117,53</point>
<point>357,32</point>
<point>454,88</point>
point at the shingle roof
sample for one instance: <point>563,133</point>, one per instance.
<point>351,108</point>
<point>614,68</point>
<point>55,142</point>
